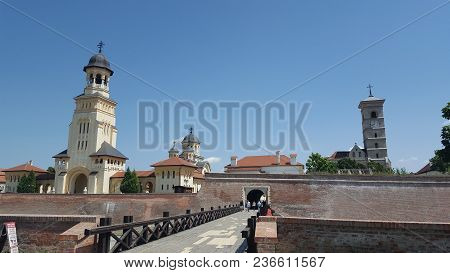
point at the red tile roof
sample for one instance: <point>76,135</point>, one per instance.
<point>138,173</point>
<point>27,167</point>
<point>174,161</point>
<point>261,161</point>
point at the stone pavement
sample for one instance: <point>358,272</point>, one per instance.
<point>222,235</point>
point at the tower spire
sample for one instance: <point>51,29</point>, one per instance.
<point>370,90</point>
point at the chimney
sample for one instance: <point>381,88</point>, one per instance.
<point>30,162</point>
<point>233,161</point>
<point>293,157</point>
<point>278,158</point>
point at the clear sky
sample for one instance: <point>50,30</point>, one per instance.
<point>226,51</point>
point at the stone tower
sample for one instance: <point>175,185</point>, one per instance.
<point>374,131</point>
<point>91,157</point>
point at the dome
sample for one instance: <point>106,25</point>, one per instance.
<point>98,60</point>
<point>174,148</point>
<point>191,138</point>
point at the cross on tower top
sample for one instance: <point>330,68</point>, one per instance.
<point>192,129</point>
<point>370,90</point>
<point>100,46</point>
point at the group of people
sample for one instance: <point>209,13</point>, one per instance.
<point>262,207</point>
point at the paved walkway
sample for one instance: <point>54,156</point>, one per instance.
<point>222,235</point>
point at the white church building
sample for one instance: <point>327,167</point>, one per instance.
<point>91,157</point>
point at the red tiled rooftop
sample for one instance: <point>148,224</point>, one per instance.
<point>27,167</point>
<point>261,161</point>
<point>174,161</point>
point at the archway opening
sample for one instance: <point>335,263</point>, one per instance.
<point>254,196</point>
<point>80,184</point>
<point>149,187</point>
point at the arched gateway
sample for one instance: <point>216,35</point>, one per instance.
<point>255,194</point>
<point>81,182</point>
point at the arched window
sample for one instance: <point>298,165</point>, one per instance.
<point>376,135</point>
<point>377,155</point>
<point>373,114</point>
<point>91,78</point>
<point>168,174</point>
<point>173,174</point>
<point>167,187</point>
<point>106,81</point>
<point>376,145</point>
<point>162,187</point>
<point>98,79</point>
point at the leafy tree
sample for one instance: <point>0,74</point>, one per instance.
<point>27,184</point>
<point>51,170</point>
<point>401,171</point>
<point>441,160</point>
<point>349,164</point>
<point>318,163</point>
<point>130,182</point>
<point>379,168</point>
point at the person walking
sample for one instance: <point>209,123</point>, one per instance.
<point>248,205</point>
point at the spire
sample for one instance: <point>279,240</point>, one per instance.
<point>100,46</point>
<point>370,90</point>
<point>191,130</point>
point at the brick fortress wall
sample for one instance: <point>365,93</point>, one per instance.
<point>382,198</point>
<point>322,235</point>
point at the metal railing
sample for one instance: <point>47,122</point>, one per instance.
<point>131,234</point>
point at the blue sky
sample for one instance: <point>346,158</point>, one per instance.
<point>226,51</point>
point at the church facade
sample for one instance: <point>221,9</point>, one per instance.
<point>374,135</point>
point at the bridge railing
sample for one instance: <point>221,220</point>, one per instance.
<point>131,234</point>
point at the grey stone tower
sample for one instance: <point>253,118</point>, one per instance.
<point>374,131</point>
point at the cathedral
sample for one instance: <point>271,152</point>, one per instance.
<point>92,164</point>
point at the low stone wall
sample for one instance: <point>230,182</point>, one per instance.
<point>326,235</point>
<point>52,233</point>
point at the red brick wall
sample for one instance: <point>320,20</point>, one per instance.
<point>43,233</point>
<point>319,235</point>
<point>384,198</point>
<point>141,206</point>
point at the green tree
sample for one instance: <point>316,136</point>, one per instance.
<point>379,168</point>
<point>349,164</point>
<point>27,184</point>
<point>319,164</point>
<point>441,160</point>
<point>51,170</point>
<point>130,182</point>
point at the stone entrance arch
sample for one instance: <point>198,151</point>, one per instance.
<point>81,182</point>
<point>149,187</point>
<point>255,192</point>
